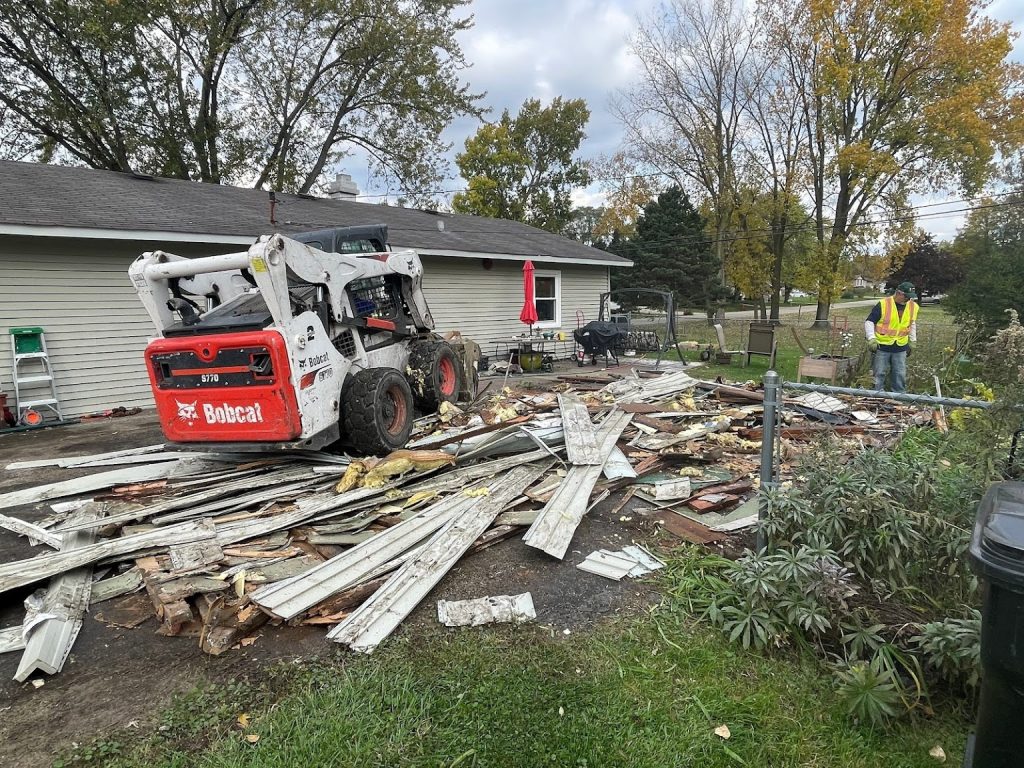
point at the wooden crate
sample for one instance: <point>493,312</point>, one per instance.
<point>830,368</point>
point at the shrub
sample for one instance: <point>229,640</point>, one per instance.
<point>952,648</point>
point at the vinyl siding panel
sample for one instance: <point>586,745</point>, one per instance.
<point>96,329</point>
<point>484,304</point>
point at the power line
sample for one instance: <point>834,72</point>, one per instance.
<point>759,234</point>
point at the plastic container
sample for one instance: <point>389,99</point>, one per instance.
<point>997,556</point>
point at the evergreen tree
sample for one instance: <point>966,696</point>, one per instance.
<point>670,252</point>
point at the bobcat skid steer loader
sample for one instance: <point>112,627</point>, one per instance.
<point>296,343</point>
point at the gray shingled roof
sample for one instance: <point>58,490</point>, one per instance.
<point>59,196</point>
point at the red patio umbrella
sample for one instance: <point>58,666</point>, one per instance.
<point>529,313</point>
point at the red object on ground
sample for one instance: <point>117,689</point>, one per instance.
<point>232,387</point>
<point>529,313</point>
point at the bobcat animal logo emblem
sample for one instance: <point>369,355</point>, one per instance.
<point>187,411</point>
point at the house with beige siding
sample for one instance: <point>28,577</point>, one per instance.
<point>68,235</point>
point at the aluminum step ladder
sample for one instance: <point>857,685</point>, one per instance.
<point>34,387</point>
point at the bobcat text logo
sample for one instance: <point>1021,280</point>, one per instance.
<point>233,414</point>
<point>187,411</point>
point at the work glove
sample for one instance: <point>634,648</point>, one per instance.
<point>873,344</point>
<point>910,350</point>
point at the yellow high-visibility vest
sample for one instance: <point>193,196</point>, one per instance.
<point>893,328</point>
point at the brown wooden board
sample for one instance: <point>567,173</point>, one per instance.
<point>712,502</point>
<point>686,529</point>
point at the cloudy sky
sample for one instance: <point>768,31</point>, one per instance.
<point>521,49</point>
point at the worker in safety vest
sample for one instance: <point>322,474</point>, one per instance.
<point>891,330</point>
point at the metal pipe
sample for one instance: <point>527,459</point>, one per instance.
<point>771,401</point>
<point>190,267</point>
<point>903,397</point>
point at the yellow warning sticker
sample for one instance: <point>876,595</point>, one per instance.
<point>259,265</point>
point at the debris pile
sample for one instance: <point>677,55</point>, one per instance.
<point>217,544</point>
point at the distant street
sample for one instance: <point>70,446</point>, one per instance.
<point>806,310</point>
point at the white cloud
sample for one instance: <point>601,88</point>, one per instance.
<point>580,49</point>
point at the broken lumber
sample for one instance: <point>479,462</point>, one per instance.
<point>378,617</point>
<point>580,436</point>
<point>21,573</point>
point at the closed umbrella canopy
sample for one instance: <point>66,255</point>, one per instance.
<point>529,313</point>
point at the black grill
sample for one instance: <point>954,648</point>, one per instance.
<point>346,344</point>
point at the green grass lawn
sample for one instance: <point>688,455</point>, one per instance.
<point>937,335</point>
<point>645,691</point>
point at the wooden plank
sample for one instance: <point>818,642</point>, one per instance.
<point>115,586</point>
<point>25,528</point>
<point>687,530</point>
<point>11,640</point>
<point>662,425</point>
<point>712,502</point>
<point>36,463</point>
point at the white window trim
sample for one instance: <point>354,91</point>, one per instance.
<point>557,322</point>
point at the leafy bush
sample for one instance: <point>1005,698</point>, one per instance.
<point>952,648</point>
<point>870,690</point>
<point>900,519</point>
<point>770,597</point>
<point>864,550</point>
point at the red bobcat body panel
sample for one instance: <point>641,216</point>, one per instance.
<point>229,387</point>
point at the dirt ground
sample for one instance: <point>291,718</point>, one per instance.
<point>117,676</point>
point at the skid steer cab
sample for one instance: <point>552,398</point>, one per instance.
<point>296,343</point>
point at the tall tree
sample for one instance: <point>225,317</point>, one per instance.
<point>237,90</point>
<point>584,225</point>
<point>524,168</point>
<point>931,267</point>
<point>685,116</point>
<point>671,251</point>
<point>990,248</point>
<point>777,150</point>
<point>896,97</point>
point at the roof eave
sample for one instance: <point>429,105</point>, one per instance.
<point>148,235</point>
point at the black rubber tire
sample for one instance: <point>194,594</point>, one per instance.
<point>377,411</point>
<point>434,373</point>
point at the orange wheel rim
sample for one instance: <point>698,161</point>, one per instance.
<point>32,418</point>
<point>447,370</point>
<point>395,411</point>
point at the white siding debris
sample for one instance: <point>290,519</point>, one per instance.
<point>378,617</point>
<point>557,522</point>
<point>499,609</point>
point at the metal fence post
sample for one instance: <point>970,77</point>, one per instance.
<point>771,401</point>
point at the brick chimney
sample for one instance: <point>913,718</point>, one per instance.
<point>342,188</point>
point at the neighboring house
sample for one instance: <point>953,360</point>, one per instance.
<point>68,235</point>
<point>863,282</point>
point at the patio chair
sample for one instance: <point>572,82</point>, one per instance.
<point>762,341</point>
<point>723,352</point>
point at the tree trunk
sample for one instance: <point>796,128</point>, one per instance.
<point>821,315</point>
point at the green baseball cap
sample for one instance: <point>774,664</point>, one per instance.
<point>907,289</point>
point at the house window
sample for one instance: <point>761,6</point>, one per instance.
<point>547,291</point>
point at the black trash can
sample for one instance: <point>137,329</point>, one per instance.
<point>997,556</point>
